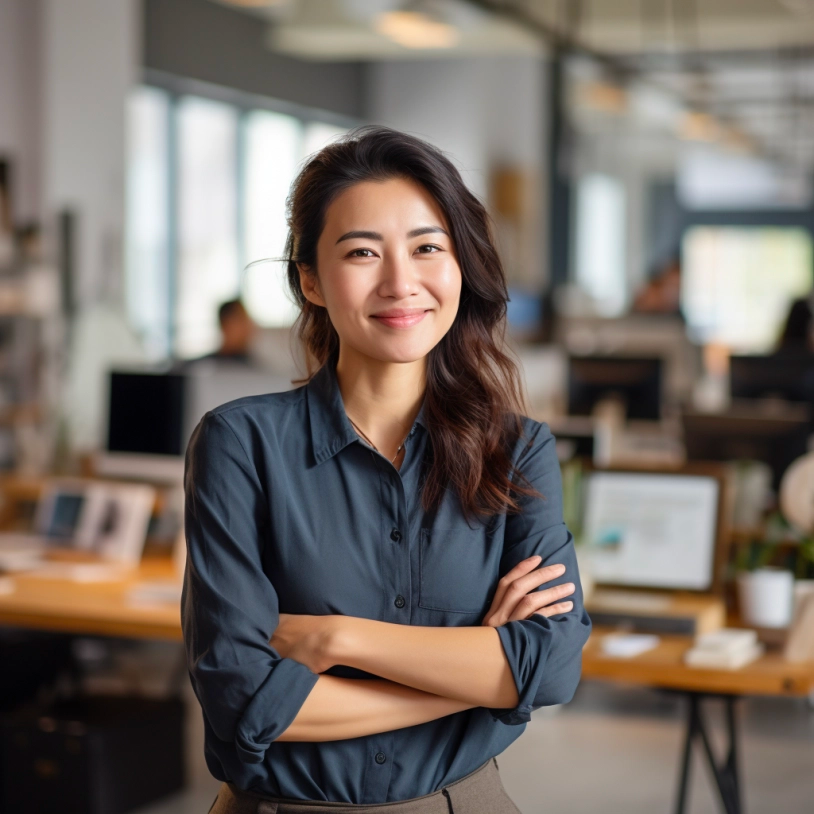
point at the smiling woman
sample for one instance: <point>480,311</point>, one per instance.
<point>365,620</point>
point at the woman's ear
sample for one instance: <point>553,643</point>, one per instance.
<point>309,283</point>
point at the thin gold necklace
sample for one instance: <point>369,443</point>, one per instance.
<point>358,430</point>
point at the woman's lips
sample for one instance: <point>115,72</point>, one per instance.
<point>402,322</point>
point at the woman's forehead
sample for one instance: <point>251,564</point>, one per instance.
<point>394,205</point>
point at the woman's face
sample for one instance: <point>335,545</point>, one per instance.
<point>386,251</point>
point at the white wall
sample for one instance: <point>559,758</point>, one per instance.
<point>91,57</point>
<point>482,112</point>
<point>20,101</point>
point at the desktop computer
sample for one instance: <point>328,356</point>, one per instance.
<point>787,375</point>
<point>152,412</point>
<point>635,381</point>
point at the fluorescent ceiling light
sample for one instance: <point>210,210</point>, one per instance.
<point>253,3</point>
<point>415,30</point>
<point>698,126</point>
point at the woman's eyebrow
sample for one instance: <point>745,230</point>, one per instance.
<point>422,230</point>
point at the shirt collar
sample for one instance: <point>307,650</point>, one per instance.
<point>331,430</point>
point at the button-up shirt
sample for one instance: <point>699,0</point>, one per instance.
<point>288,510</point>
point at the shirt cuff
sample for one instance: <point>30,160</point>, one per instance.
<point>526,656</point>
<point>272,709</point>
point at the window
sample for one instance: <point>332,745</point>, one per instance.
<point>738,282</point>
<point>207,183</point>
<point>600,242</point>
<point>147,219</point>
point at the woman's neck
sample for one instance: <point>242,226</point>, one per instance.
<point>382,398</point>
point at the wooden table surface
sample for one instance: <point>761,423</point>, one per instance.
<point>94,608</point>
<point>664,667</point>
<point>102,608</point>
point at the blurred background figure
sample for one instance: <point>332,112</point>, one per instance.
<point>661,294</point>
<point>237,330</point>
<point>798,330</point>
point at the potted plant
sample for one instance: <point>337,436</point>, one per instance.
<point>765,583</point>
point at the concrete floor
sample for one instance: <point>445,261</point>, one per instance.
<point>616,750</point>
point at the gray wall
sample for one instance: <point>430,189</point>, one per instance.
<point>203,40</point>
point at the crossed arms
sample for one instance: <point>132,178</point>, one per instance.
<point>258,673</point>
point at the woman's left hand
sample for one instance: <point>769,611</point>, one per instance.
<point>305,639</point>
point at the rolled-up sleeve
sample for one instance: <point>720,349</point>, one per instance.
<point>545,653</point>
<point>229,607</point>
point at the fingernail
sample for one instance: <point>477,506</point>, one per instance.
<point>535,557</point>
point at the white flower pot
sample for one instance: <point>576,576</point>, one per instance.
<point>766,597</point>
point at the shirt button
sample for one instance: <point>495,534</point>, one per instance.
<point>399,601</point>
<point>395,535</point>
<point>380,758</point>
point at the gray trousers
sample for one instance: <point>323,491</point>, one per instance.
<point>480,792</point>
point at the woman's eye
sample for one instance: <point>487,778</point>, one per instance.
<point>355,253</point>
<point>430,246</point>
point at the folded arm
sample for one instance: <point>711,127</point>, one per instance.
<point>511,669</point>
<point>338,708</point>
<point>464,663</point>
<point>250,693</point>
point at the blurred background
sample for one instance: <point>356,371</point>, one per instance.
<point>648,168</point>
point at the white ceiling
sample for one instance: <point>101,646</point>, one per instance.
<point>748,62</point>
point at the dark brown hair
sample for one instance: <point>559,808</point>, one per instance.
<point>473,398</point>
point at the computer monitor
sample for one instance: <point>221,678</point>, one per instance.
<point>152,413</point>
<point>787,375</point>
<point>146,412</point>
<point>746,434</point>
<point>636,381</point>
<point>653,529</point>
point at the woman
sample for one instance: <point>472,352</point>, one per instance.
<point>363,609</point>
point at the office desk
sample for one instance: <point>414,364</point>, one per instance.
<point>102,609</point>
<point>93,608</point>
<point>664,668</point>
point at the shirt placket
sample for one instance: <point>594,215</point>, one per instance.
<point>396,582</point>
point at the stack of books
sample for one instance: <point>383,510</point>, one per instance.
<point>724,649</point>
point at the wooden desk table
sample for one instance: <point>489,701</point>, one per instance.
<point>664,668</point>
<point>102,608</point>
<point>93,608</point>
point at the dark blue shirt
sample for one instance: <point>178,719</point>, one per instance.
<point>288,510</point>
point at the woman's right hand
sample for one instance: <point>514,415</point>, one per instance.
<point>515,597</point>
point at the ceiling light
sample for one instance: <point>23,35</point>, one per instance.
<point>415,30</point>
<point>252,3</point>
<point>698,126</point>
<point>605,96</point>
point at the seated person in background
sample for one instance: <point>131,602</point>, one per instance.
<point>661,293</point>
<point>237,331</point>
<point>797,332</point>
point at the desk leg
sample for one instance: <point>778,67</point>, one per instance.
<point>692,717</point>
<point>725,774</point>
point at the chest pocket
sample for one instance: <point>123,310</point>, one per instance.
<point>456,572</point>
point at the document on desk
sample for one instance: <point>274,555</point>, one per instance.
<point>155,593</point>
<point>627,645</point>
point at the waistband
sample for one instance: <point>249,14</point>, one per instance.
<point>482,783</point>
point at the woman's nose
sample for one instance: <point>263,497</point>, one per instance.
<point>398,276</point>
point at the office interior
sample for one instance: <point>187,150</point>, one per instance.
<point>648,169</point>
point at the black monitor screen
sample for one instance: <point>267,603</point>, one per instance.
<point>787,375</point>
<point>146,413</point>
<point>731,437</point>
<point>635,381</point>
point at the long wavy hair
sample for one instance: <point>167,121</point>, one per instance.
<point>473,399</point>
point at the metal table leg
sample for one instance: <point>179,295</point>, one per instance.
<point>725,773</point>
